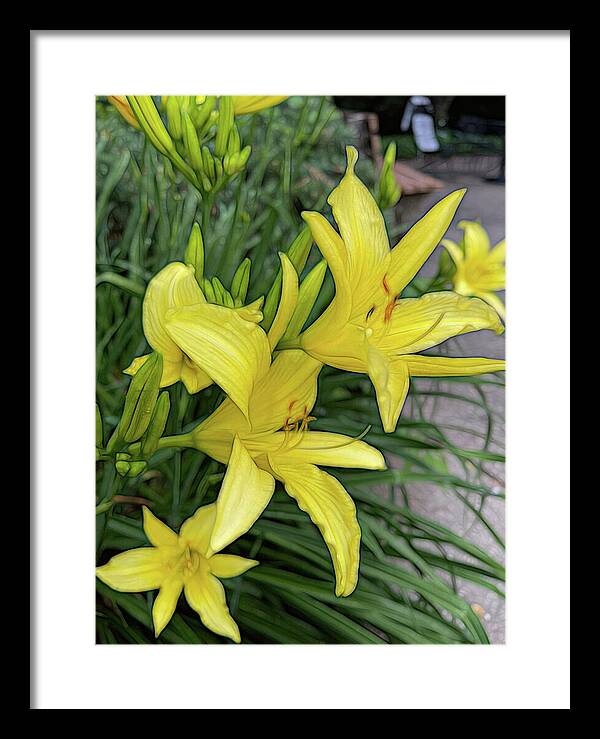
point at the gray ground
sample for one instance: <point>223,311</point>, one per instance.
<point>483,201</point>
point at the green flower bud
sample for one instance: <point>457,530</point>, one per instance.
<point>241,279</point>
<point>309,290</point>
<point>174,117</point>
<point>298,254</point>
<point>136,468</point>
<point>122,468</point>
<point>192,145</point>
<point>141,398</point>
<point>225,124</point>
<point>194,253</point>
<point>156,426</point>
<point>209,291</point>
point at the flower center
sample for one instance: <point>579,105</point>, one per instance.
<point>188,562</point>
<point>297,422</point>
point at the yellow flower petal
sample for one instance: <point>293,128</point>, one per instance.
<point>157,532</point>
<point>245,493</point>
<point>493,300</point>
<point>289,387</point>
<point>454,250</point>
<point>415,247</point>
<point>134,571</point>
<point>243,104</point>
<point>362,228</point>
<point>173,287</point>
<point>419,323</point>
<point>171,370</point>
<point>193,377</point>
<point>206,596</point>
<point>331,450</point>
<point>391,380</point>
<point>233,352</point>
<point>477,242</point>
<point>498,253</point>
<point>285,391</point>
<point>332,510</point>
<point>196,530</point>
<point>424,366</point>
<point>228,565</point>
<point>165,603</point>
<point>287,302</point>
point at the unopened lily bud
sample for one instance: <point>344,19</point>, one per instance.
<point>234,143</point>
<point>218,169</point>
<point>141,398</point>
<point>228,163</point>
<point>194,253</point>
<point>388,190</point>
<point>241,279</point>
<point>309,290</point>
<point>225,124</point>
<point>209,291</point>
<point>208,163</point>
<point>219,289</point>
<point>123,457</point>
<point>190,140</point>
<point>244,155</point>
<point>122,468</point>
<point>298,254</point>
<point>202,112</point>
<point>156,426</point>
<point>174,117</point>
<point>151,123</point>
<point>136,468</point>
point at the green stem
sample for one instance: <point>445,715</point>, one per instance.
<point>179,441</point>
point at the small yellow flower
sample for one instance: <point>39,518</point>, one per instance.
<point>368,327</point>
<point>202,343</point>
<point>275,443</point>
<point>480,269</point>
<point>179,562</point>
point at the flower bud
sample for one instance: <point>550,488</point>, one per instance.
<point>224,126</point>
<point>298,254</point>
<point>174,117</point>
<point>194,253</point>
<point>122,468</point>
<point>141,398</point>
<point>156,426</point>
<point>309,290</point>
<point>241,279</point>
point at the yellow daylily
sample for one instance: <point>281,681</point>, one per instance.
<point>480,268</point>
<point>179,562</point>
<point>200,342</point>
<point>274,443</point>
<point>368,327</point>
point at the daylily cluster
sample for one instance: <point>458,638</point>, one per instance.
<point>261,430</point>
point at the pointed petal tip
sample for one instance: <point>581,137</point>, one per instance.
<point>351,158</point>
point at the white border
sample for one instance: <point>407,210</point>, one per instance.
<point>531,671</point>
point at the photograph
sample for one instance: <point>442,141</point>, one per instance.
<point>300,318</point>
<point>299,426</point>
